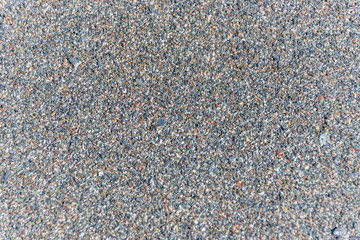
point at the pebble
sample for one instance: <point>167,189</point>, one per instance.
<point>141,83</point>
<point>232,160</point>
<point>152,182</point>
<point>324,139</point>
<point>75,62</point>
<point>7,175</point>
<point>339,232</point>
<point>161,122</point>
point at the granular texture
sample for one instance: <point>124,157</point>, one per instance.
<point>179,119</point>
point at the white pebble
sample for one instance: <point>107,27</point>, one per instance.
<point>339,232</point>
<point>324,139</point>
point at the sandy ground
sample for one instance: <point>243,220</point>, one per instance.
<point>179,119</point>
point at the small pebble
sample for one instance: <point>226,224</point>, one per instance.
<point>324,139</point>
<point>161,122</point>
<point>339,232</point>
<point>152,182</point>
<point>232,160</point>
<point>141,83</point>
<point>7,175</point>
<point>75,62</point>
<point>212,167</point>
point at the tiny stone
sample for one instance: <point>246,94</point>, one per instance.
<point>141,83</point>
<point>212,167</point>
<point>339,232</point>
<point>75,62</point>
<point>7,175</point>
<point>232,160</point>
<point>152,182</point>
<point>324,139</point>
<point>161,122</point>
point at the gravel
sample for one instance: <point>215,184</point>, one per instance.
<point>178,119</point>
